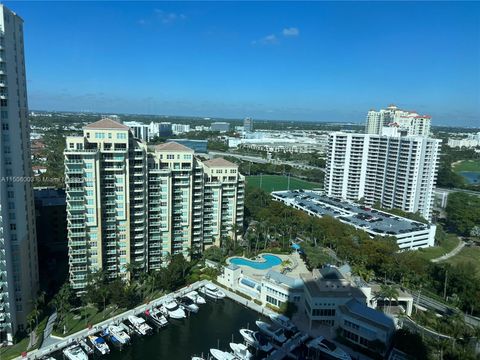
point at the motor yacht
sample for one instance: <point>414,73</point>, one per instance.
<point>157,317</point>
<point>87,348</point>
<point>118,334</point>
<point>255,339</point>
<point>173,310</point>
<point>328,348</point>
<point>199,300</point>
<point>276,334</point>
<point>189,304</point>
<point>99,344</point>
<point>140,325</point>
<point>75,352</point>
<point>221,355</point>
<point>241,351</point>
<point>283,321</point>
<point>212,291</point>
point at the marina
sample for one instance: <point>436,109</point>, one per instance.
<point>186,325</point>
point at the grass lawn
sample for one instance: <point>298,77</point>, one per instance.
<point>271,183</point>
<point>467,165</point>
<point>13,351</point>
<point>468,255</point>
<point>446,246</point>
<point>79,319</point>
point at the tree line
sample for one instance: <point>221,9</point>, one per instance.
<point>372,258</point>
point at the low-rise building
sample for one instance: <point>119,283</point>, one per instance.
<point>364,326</point>
<point>409,234</point>
<point>139,130</point>
<point>327,297</point>
<point>199,146</point>
<point>220,126</point>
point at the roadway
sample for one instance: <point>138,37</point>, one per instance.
<point>260,160</point>
<point>432,304</point>
<point>470,192</point>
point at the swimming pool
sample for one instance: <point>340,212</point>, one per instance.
<point>270,261</point>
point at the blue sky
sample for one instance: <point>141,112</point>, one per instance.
<point>315,61</point>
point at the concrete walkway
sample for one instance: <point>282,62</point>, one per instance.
<point>48,340</point>
<point>454,252</point>
<point>33,339</point>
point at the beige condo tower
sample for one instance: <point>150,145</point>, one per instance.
<point>129,203</point>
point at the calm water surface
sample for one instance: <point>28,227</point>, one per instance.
<point>214,324</point>
<point>471,177</point>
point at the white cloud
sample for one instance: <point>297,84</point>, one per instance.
<point>168,17</point>
<point>291,32</point>
<point>266,40</point>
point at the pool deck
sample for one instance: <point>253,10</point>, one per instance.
<point>296,265</point>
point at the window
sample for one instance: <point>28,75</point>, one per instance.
<point>4,126</point>
<point>121,136</point>
<point>13,226</point>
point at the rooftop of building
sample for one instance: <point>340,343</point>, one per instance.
<point>363,313</point>
<point>368,219</point>
<point>173,146</point>
<point>328,282</point>
<point>190,140</point>
<point>219,162</point>
<point>282,279</point>
<point>106,124</point>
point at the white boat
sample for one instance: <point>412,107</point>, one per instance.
<point>196,297</point>
<point>174,310</point>
<point>87,348</point>
<point>99,344</point>
<point>212,291</point>
<point>189,304</point>
<point>255,339</point>
<point>197,358</point>
<point>328,348</point>
<point>283,321</point>
<point>119,334</point>
<point>276,334</point>
<point>241,351</point>
<point>157,317</point>
<point>75,352</point>
<point>221,355</point>
<point>140,325</point>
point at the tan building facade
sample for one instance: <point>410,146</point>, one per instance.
<point>128,203</point>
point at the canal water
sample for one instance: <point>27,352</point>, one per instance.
<point>211,327</point>
<point>471,177</point>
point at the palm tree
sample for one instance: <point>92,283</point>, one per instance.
<point>389,292</point>
<point>235,231</point>
<point>31,319</point>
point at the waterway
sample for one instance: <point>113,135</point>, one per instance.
<point>211,327</point>
<point>471,177</point>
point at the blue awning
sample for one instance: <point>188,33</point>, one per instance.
<point>296,247</point>
<point>99,340</point>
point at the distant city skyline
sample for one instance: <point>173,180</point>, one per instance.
<point>316,61</point>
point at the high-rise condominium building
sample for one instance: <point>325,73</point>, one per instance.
<point>130,203</point>
<point>248,124</point>
<point>396,171</point>
<point>409,122</point>
<point>18,248</point>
